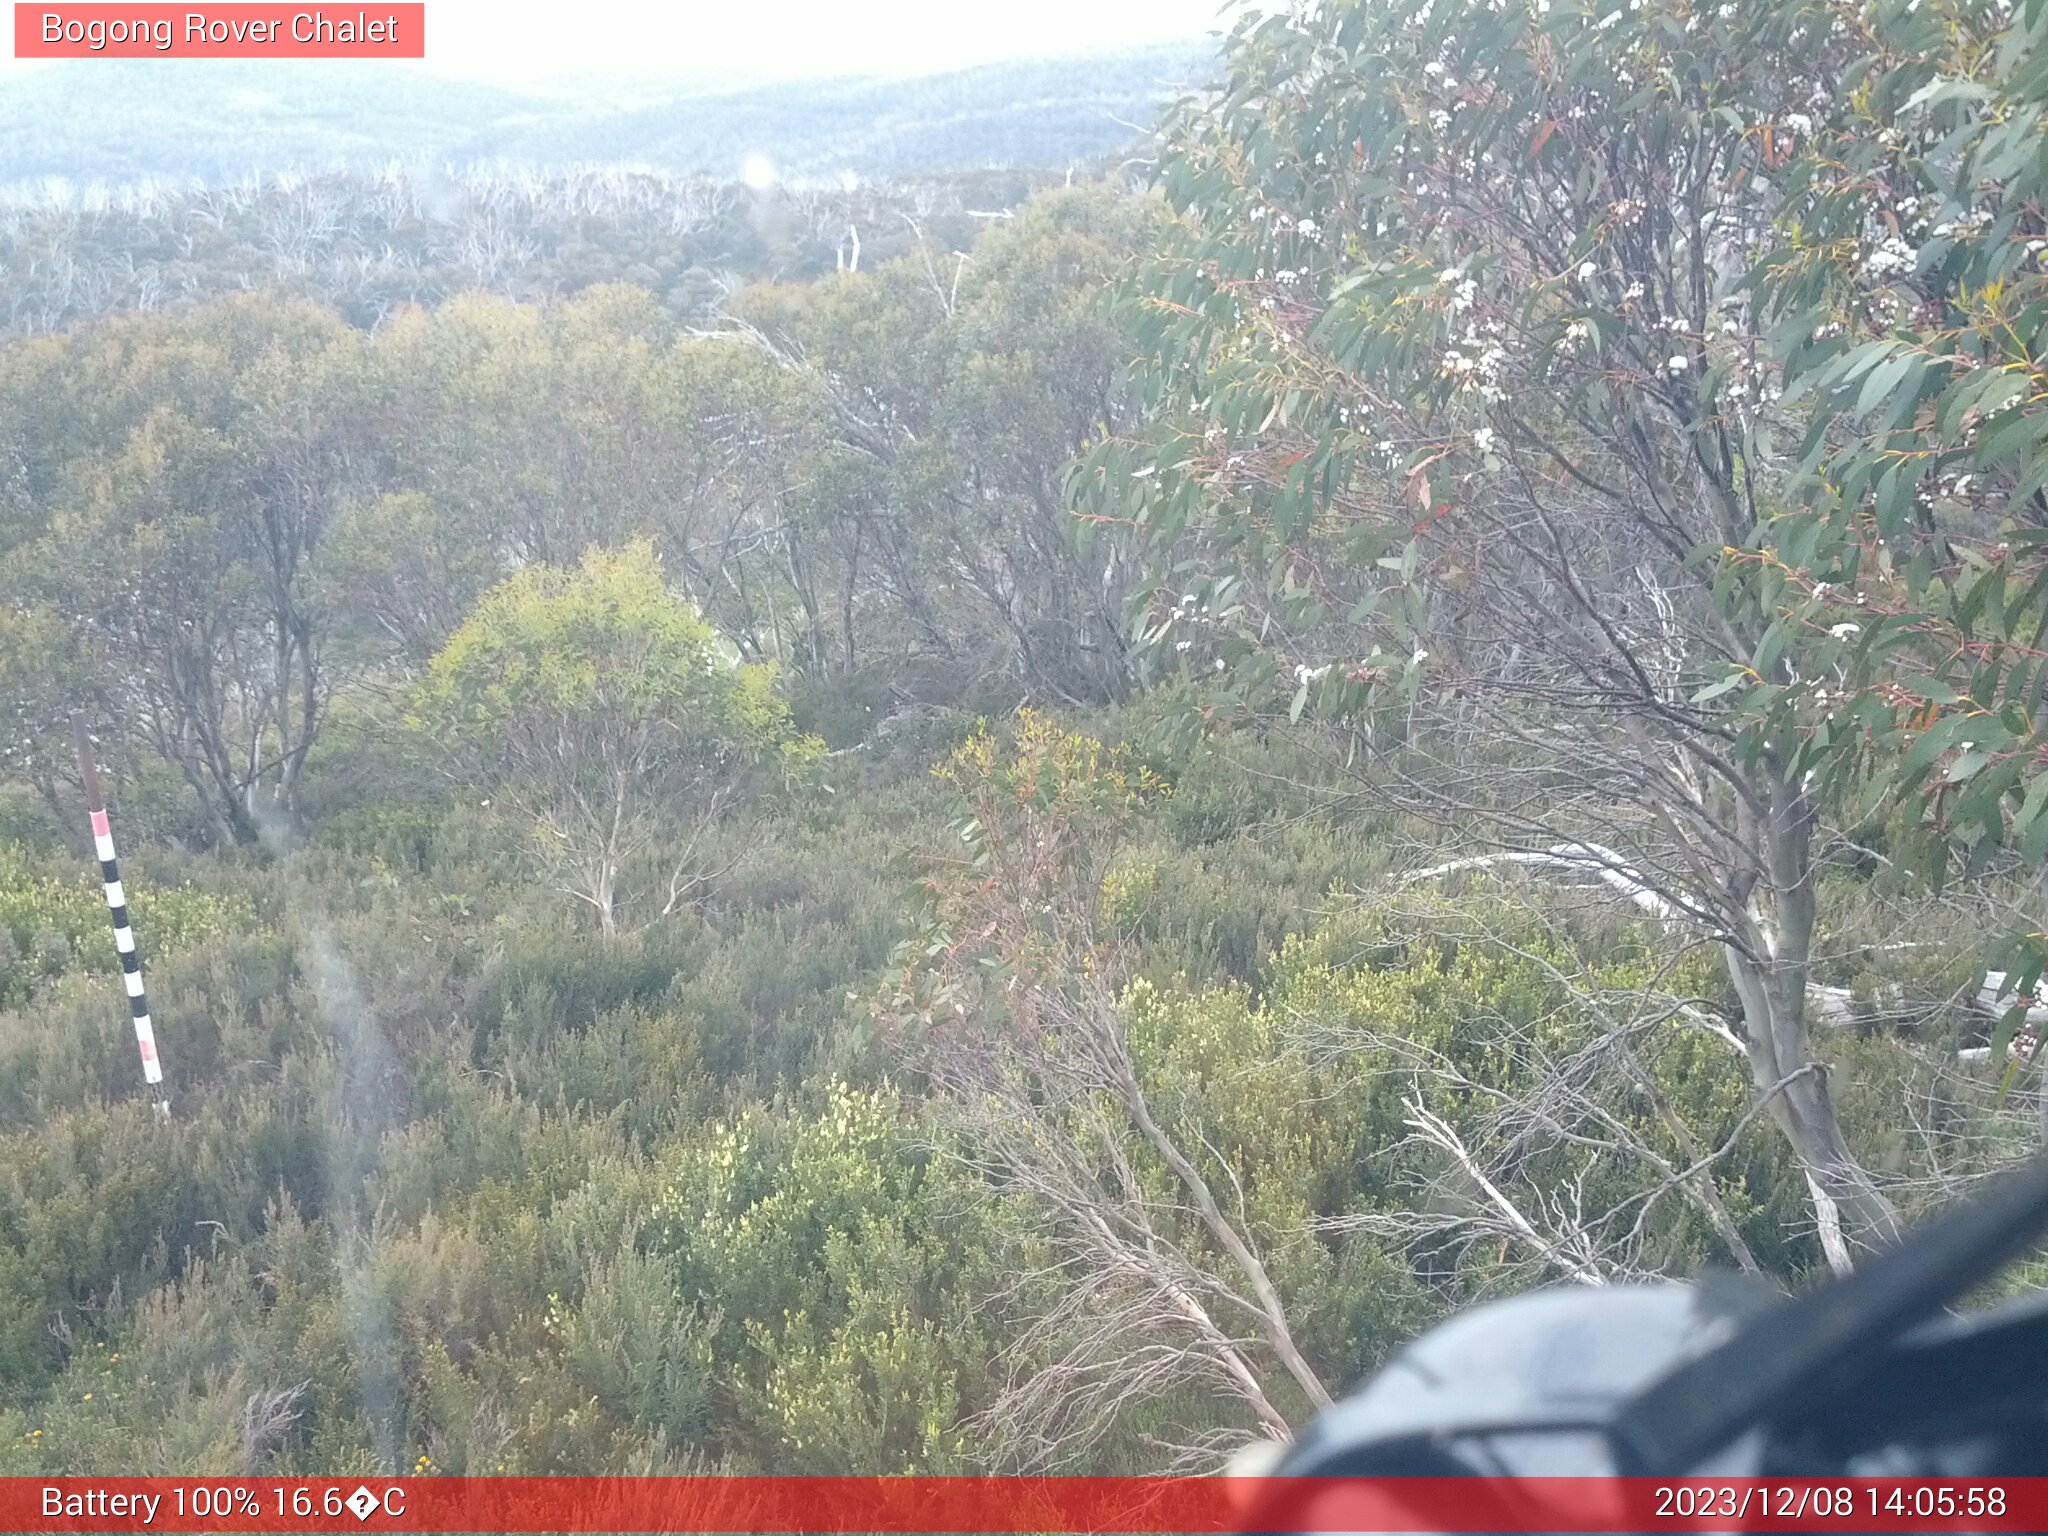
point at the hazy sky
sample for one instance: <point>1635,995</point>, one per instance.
<point>526,38</point>
<point>523,40</point>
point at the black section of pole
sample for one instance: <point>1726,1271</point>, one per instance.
<point>117,909</point>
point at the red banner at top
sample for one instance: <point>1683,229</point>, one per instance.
<point>237,31</point>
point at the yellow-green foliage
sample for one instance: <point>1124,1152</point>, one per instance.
<point>610,713</point>
<point>52,924</point>
<point>833,1248</point>
<point>1296,1094</point>
<point>603,644</point>
<point>1046,768</point>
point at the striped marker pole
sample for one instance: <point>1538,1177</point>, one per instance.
<point>117,906</point>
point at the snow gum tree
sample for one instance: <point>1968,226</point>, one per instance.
<point>1458,387</point>
<point>1905,289</point>
<point>607,710</point>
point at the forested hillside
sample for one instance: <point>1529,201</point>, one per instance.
<point>115,121</point>
<point>1025,843</point>
<point>369,244</point>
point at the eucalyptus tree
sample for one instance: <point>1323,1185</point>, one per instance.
<point>609,713</point>
<point>184,475</point>
<point>1457,386</point>
<point>946,390</point>
<point>1907,292</point>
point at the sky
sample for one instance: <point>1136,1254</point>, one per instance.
<point>525,41</point>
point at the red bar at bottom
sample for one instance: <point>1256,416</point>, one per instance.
<point>991,1506</point>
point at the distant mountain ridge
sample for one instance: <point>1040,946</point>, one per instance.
<point>121,121</point>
